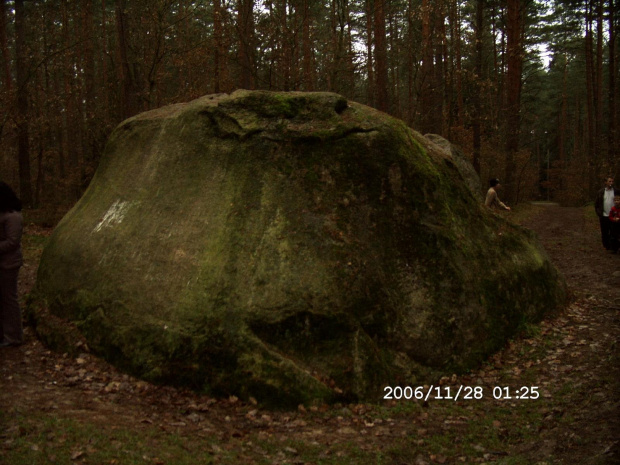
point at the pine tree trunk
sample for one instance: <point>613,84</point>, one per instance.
<point>590,95</point>
<point>425,107</point>
<point>88,31</point>
<point>459,70</point>
<point>128,104</point>
<point>513,93</point>
<point>4,47</point>
<point>477,120</point>
<point>217,38</point>
<point>454,97</point>
<point>370,65</point>
<point>410,61</point>
<point>382,103</point>
<point>562,131</point>
<point>394,68</point>
<point>438,86</point>
<point>308,75</point>
<point>612,151</point>
<point>23,132</point>
<point>71,121</point>
<point>598,102</point>
<point>104,61</point>
<point>285,56</point>
<point>245,15</point>
<point>349,50</point>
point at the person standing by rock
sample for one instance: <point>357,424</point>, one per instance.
<point>11,224</point>
<point>492,200</point>
<point>603,203</point>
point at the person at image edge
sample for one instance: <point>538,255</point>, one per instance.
<point>11,224</point>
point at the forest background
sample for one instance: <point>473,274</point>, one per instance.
<point>527,88</point>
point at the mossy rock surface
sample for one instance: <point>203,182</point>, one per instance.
<point>293,247</point>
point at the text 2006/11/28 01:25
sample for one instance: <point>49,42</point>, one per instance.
<point>461,393</point>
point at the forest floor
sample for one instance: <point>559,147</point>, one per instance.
<point>58,409</point>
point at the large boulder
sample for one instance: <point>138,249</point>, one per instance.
<point>287,246</point>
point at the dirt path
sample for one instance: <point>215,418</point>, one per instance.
<point>591,356</point>
<point>574,245</point>
<point>570,358</point>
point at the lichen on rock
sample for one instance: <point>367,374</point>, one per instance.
<point>294,247</point>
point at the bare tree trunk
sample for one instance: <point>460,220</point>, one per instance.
<point>7,78</point>
<point>8,81</point>
<point>48,138</point>
<point>394,68</point>
<point>499,65</point>
<point>70,120</point>
<point>332,74</point>
<point>562,132</point>
<point>612,152</point>
<point>89,109</point>
<point>308,75</point>
<point>217,38</point>
<point>245,15</point>
<point>477,120</point>
<point>410,66</point>
<point>60,136</point>
<point>598,102</point>
<point>426,78</point>
<point>382,103</point>
<point>370,61</point>
<point>455,95</point>
<point>459,68</point>
<point>23,132</point>
<point>128,93</point>
<point>285,39</point>
<point>104,60</point>
<point>42,122</point>
<point>513,89</point>
<point>590,94</point>
<point>438,87</point>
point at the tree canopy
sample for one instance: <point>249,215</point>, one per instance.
<point>526,87</point>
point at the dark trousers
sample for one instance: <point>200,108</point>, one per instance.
<point>615,236</point>
<point>10,315</point>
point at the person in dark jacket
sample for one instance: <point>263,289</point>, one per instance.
<point>11,224</point>
<point>603,203</point>
<point>614,218</point>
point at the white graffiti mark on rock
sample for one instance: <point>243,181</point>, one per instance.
<point>114,215</point>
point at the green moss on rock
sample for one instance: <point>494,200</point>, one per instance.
<point>294,247</point>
